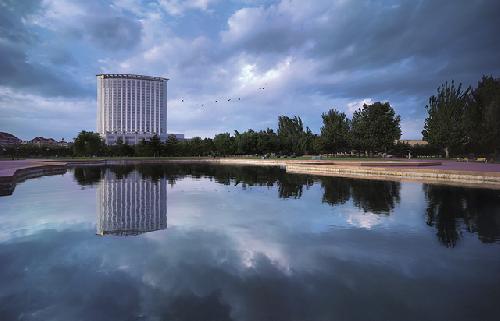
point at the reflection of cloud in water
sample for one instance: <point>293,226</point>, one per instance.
<point>249,255</point>
<point>194,269</point>
<point>131,205</point>
<point>362,220</point>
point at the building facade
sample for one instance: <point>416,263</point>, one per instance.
<point>131,205</point>
<point>131,107</point>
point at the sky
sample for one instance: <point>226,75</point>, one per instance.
<point>309,56</point>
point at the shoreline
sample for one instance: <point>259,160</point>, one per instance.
<point>433,172</point>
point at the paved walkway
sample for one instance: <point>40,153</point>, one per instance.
<point>9,167</point>
<point>464,166</point>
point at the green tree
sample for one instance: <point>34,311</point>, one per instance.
<point>208,146</point>
<point>375,127</point>
<point>483,121</point>
<point>267,141</point>
<point>172,146</point>
<point>307,143</point>
<point>195,147</point>
<point>155,145</point>
<point>291,134</point>
<point>143,149</point>
<point>88,144</point>
<point>224,144</point>
<point>246,142</point>
<point>335,131</point>
<point>444,125</point>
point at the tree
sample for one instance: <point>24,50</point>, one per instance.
<point>88,144</point>
<point>172,146</point>
<point>444,125</point>
<point>375,127</point>
<point>143,149</point>
<point>194,147</point>
<point>223,144</point>
<point>155,145</point>
<point>290,133</point>
<point>245,143</point>
<point>307,143</point>
<point>483,121</point>
<point>120,149</point>
<point>335,131</point>
<point>267,141</point>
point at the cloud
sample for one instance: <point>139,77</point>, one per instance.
<point>18,69</point>
<point>178,7</point>
<point>51,116</point>
<point>310,56</point>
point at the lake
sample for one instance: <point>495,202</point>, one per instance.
<point>213,242</point>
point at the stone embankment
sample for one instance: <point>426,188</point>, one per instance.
<point>13,172</point>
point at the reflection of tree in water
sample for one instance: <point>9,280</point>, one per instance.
<point>88,176</point>
<point>226,175</point>
<point>337,190</point>
<point>121,171</point>
<point>152,172</point>
<point>449,207</point>
<point>291,186</point>
<point>379,197</point>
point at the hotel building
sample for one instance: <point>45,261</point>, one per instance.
<point>132,107</point>
<point>131,205</point>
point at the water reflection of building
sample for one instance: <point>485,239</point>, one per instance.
<point>131,205</point>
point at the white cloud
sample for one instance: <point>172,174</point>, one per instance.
<point>178,7</point>
<point>22,114</point>
<point>358,104</point>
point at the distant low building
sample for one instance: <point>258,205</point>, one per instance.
<point>412,142</point>
<point>42,141</point>
<point>63,143</point>
<point>177,136</point>
<point>7,139</point>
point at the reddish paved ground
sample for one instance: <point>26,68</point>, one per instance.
<point>460,166</point>
<point>9,167</point>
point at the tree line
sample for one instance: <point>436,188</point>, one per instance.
<point>373,128</point>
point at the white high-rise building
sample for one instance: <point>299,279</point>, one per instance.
<point>132,107</point>
<point>131,205</point>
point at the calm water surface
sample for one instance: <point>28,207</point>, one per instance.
<point>191,242</point>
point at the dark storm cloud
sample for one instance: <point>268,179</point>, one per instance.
<point>18,72</point>
<point>321,54</point>
<point>17,69</point>
<point>114,32</point>
<point>397,46</point>
<point>20,55</point>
